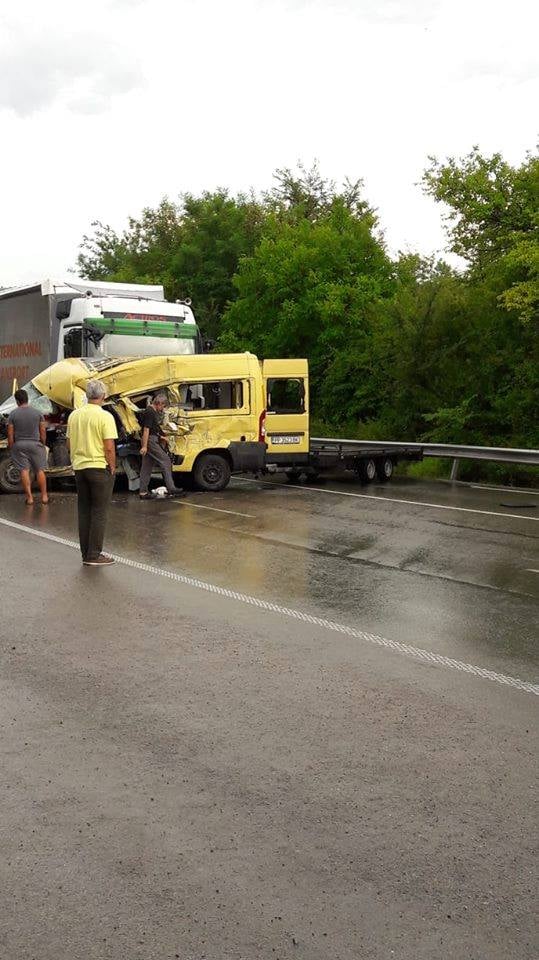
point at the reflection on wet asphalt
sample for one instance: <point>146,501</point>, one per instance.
<point>460,582</point>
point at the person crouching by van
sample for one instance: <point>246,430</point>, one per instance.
<point>91,433</point>
<point>154,456</point>
<point>26,435</point>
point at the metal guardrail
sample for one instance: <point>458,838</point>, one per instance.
<point>451,451</point>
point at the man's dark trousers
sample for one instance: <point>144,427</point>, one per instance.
<point>94,491</point>
<point>156,457</point>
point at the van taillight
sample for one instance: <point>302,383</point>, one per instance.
<point>262,427</point>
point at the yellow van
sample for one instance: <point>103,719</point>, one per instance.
<point>227,412</point>
<point>232,412</point>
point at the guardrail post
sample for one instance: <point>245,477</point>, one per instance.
<point>455,469</point>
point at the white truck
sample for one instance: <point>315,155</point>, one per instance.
<point>54,319</point>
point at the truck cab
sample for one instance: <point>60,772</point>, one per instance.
<point>108,326</point>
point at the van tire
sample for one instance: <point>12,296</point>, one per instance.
<point>10,477</point>
<point>211,472</point>
<point>293,476</point>
<point>384,469</point>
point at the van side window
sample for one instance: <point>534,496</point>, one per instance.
<point>286,396</point>
<point>219,395</point>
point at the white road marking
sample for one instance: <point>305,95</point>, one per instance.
<point>371,496</point>
<point>520,492</point>
<point>202,506</point>
<point>405,649</point>
<point>529,570</point>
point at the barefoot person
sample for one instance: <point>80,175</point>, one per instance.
<point>26,435</point>
<point>91,433</point>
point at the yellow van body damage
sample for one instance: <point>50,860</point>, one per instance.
<point>231,405</point>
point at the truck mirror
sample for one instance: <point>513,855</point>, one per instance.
<point>93,334</point>
<point>63,309</point>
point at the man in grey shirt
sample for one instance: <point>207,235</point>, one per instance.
<point>26,435</point>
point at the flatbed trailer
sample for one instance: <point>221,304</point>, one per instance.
<point>366,460</point>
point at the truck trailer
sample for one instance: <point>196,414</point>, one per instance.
<point>54,319</point>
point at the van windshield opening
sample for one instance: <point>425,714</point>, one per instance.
<point>35,399</point>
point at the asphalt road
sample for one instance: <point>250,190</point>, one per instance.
<point>290,723</point>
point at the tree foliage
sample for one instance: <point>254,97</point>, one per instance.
<point>192,247</point>
<point>493,221</point>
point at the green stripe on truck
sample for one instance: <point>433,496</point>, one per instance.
<point>143,328</point>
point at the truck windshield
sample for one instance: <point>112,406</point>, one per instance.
<point>122,345</point>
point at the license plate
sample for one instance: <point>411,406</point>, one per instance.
<point>277,438</point>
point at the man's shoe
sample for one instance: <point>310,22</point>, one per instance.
<point>102,561</point>
<point>178,492</point>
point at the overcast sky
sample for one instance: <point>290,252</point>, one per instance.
<point>106,107</point>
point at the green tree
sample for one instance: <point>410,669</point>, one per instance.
<point>387,382</point>
<point>491,205</point>
<point>304,194</point>
<point>493,222</point>
<point>308,287</point>
<point>192,247</point>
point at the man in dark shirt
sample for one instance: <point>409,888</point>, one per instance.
<point>26,435</point>
<point>154,456</point>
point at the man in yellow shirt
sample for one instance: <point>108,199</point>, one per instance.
<point>91,433</point>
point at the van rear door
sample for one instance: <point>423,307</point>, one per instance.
<point>286,389</point>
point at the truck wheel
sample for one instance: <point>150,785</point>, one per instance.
<point>367,470</point>
<point>212,472</point>
<point>384,469</point>
<point>10,477</point>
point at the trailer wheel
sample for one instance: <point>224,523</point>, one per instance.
<point>384,469</point>
<point>211,472</point>
<point>367,470</point>
<point>10,476</point>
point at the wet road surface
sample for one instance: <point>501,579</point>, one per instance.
<point>229,773</point>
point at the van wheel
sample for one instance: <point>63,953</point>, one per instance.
<point>293,476</point>
<point>384,468</point>
<point>211,472</point>
<point>10,476</point>
<point>367,470</point>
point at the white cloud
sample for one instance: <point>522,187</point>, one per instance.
<point>109,112</point>
<point>398,11</point>
<point>43,62</point>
